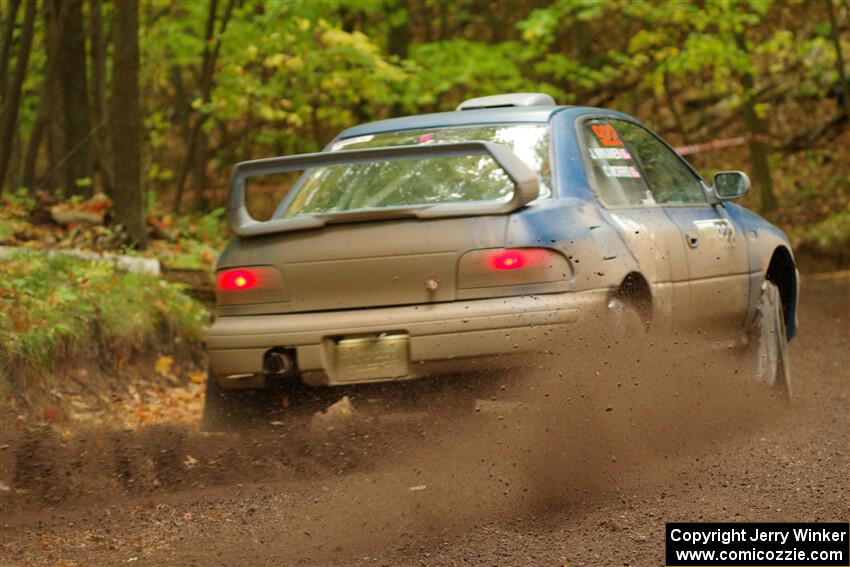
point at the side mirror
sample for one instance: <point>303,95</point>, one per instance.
<point>730,185</point>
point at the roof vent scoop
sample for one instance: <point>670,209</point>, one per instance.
<point>510,99</point>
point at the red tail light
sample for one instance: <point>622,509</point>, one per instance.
<point>255,284</point>
<point>508,260</point>
<point>233,280</point>
<point>512,266</point>
<point>519,258</point>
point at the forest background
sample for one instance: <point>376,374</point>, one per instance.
<point>152,102</point>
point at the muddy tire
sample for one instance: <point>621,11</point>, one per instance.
<point>770,343</point>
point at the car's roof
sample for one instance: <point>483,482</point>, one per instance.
<point>531,114</point>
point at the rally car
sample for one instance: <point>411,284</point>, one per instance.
<point>436,243</point>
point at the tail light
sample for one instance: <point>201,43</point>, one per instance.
<point>232,280</point>
<point>518,258</point>
<point>254,284</point>
<point>512,266</point>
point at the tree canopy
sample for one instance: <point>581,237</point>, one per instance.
<point>227,80</point>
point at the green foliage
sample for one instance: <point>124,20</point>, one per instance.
<point>285,68</point>
<point>828,237</point>
<point>55,305</point>
<point>191,242</point>
<point>456,69</point>
<point>832,233</point>
<point>211,227</point>
<point>290,75</point>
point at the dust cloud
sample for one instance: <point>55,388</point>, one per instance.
<point>602,417</point>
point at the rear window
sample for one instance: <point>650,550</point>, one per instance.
<point>410,182</point>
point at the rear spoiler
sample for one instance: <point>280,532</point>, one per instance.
<point>526,186</point>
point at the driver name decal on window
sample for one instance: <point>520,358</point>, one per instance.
<point>607,135</point>
<point>609,153</point>
<point>628,171</point>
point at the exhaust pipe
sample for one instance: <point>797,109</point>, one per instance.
<point>278,362</point>
<point>242,381</point>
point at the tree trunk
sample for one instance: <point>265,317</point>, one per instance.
<point>398,39</point>
<point>191,148</point>
<point>181,104</point>
<point>759,152</point>
<point>427,17</point>
<point>12,98</point>
<point>199,171</point>
<point>126,122</point>
<point>98,42</point>
<point>34,143</point>
<point>671,104</point>
<point>398,43</point>
<point>582,41</point>
<point>839,58</point>
<point>53,88</point>
<point>444,20</point>
<point>7,39</point>
<point>13,172</point>
<point>183,108</point>
<point>758,134</point>
<point>73,77</point>
<point>196,152</point>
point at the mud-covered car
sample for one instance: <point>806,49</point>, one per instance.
<point>444,242</point>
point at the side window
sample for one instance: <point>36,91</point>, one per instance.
<point>672,182</point>
<point>613,170</point>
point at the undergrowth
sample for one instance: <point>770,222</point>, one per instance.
<point>56,307</point>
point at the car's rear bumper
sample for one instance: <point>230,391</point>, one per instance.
<point>443,337</point>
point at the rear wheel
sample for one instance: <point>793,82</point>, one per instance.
<point>770,342</point>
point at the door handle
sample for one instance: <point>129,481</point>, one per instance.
<point>693,238</point>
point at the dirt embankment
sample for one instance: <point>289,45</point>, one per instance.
<point>582,456</point>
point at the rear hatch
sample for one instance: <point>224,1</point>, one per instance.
<point>394,262</point>
<point>398,246</point>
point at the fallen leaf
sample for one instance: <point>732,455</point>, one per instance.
<point>198,377</point>
<point>50,413</point>
<point>163,365</point>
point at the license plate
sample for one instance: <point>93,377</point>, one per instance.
<point>378,357</point>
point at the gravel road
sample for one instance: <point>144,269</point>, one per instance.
<point>579,461</point>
